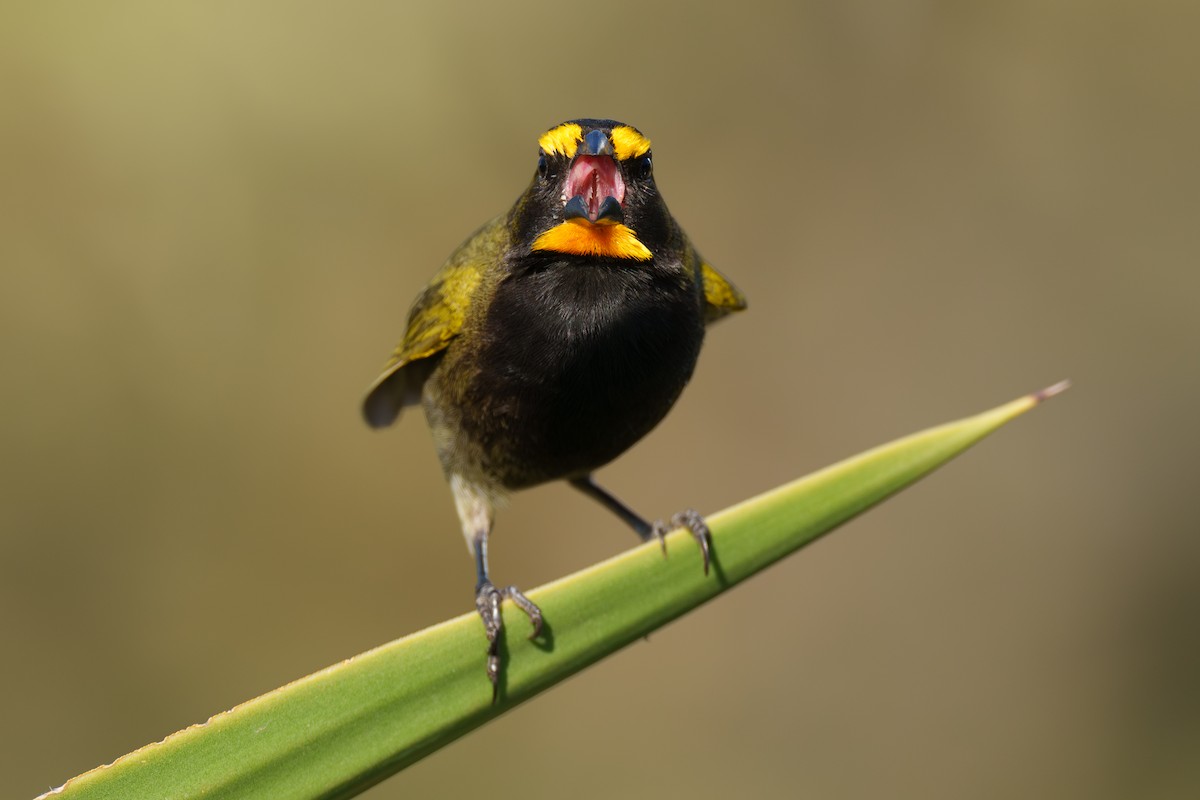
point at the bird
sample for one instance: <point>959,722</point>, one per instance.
<point>554,338</point>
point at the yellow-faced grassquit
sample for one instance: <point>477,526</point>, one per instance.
<point>554,338</point>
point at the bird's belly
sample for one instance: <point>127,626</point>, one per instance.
<point>551,401</point>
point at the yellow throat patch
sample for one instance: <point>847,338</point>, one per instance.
<point>582,238</point>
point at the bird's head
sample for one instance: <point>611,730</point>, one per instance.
<point>593,194</point>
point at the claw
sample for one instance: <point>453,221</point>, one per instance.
<point>525,604</point>
<point>659,530</point>
<point>487,603</point>
<point>690,519</point>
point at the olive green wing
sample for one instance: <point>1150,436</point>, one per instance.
<point>440,314</point>
<point>721,297</point>
<point>436,318</point>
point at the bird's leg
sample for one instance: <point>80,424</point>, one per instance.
<point>641,527</point>
<point>688,518</point>
<point>487,602</point>
<point>475,510</point>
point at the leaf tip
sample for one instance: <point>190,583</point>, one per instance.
<point>1051,391</point>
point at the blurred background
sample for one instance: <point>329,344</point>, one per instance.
<point>213,218</point>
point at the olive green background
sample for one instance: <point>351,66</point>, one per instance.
<point>213,217</point>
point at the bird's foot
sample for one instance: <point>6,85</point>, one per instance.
<point>691,520</point>
<point>487,602</point>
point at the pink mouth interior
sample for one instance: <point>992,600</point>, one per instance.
<point>595,178</point>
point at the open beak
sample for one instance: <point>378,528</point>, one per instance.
<point>594,189</point>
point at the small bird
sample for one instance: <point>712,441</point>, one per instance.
<point>553,339</point>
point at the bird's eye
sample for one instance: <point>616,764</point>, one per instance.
<point>645,167</point>
<point>543,167</point>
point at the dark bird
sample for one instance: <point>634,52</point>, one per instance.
<point>555,337</point>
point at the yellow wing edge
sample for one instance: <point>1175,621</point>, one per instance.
<point>721,297</point>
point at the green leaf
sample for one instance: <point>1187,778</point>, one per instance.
<point>340,730</point>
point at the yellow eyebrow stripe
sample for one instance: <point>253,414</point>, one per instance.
<point>562,140</point>
<point>628,143</point>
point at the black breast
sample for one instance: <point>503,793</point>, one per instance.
<point>577,361</point>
